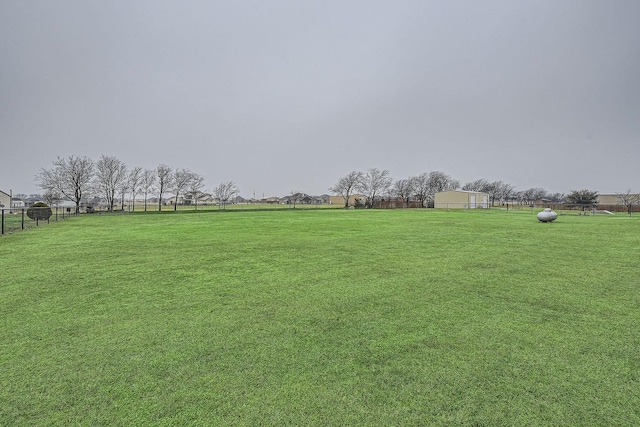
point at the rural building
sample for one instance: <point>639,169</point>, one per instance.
<point>614,203</point>
<point>613,199</point>
<point>459,199</point>
<point>339,200</point>
<point>5,200</point>
<point>608,199</point>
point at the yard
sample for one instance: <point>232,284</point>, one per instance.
<point>322,317</point>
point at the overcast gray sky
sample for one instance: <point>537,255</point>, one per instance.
<point>291,95</point>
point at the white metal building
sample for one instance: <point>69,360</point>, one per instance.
<point>459,199</point>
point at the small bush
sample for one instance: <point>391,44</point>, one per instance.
<point>40,211</point>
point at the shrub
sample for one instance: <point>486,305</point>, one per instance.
<point>40,211</point>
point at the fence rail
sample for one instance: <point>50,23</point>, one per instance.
<point>18,219</point>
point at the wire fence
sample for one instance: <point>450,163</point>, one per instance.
<point>18,219</point>
<point>566,209</point>
<point>150,208</point>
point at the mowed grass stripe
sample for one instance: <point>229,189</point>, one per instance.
<point>408,317</point>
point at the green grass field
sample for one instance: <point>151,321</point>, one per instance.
<point>322,317</point>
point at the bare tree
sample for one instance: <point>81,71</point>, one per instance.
<point>225,192</point>
<point>70,177</point>
<point>438,182</point>
<point>374,183</point>
<point>164,175</point>
<point>527,197</point>
<point>111,173</point>
<point>492,189</point>
<point>556,197</point>
<point>500,191</point>
<point>477,185</point>
<point>402,188</point>
<point>148,182</point>
<point>123,188</point>
<point>195,187</point>
<point>346,185</point>
<point>506,192</point>
<point>420,187</point>
<point>134,183</point>
<point>181,179</point>
<point>629,200</point>
<point>531,195</point>
<point>52,198</point>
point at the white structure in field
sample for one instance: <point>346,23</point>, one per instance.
<point>547,215</point>
<point>459,199</point>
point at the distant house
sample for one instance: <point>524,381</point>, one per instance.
<point>297,198</point>
<point>324,199</point>
<point>65,204</point>
<point>28,202</point>
<point>319,200</point>
<point>17,203</point>
<point>5,200</point>
<point>198,198</point>
<point>306,199</point>
<point>98,201</point>
<point>172,200</point>
<point>460,199</point>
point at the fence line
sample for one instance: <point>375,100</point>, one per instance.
<point>228,207</point>
<point>17,219</point>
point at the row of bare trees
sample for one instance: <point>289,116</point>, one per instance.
<point>375,184</point>
<point>501,192</point>
<point>75,178</point>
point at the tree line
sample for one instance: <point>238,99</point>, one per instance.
<point>75,178</point>
<point>375,184</point>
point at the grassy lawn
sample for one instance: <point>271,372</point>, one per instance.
<point>322,317</point>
